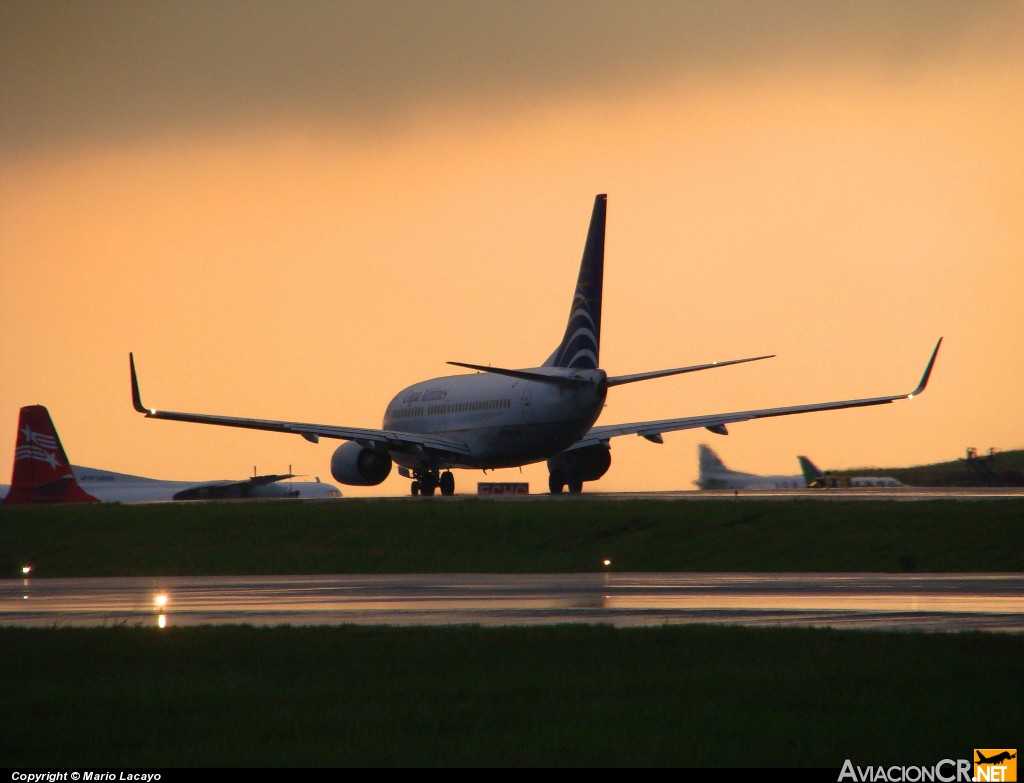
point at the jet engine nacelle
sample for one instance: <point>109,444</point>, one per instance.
<point>358,466</point>
<point>587,464</point>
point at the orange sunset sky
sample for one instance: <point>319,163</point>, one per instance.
<point>294,210</point>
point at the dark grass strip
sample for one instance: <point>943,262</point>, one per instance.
<point>465,535</point>
<point>463,696</point>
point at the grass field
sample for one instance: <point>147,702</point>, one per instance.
<point>464,696</point>
<point>521,536</point>
<point>563,696</point>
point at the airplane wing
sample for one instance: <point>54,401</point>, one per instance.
<point>392,440</point>
<point>260,481</point>
<point>716,422</point>
<point>230,490</point>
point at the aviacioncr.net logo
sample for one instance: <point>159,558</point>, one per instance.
<point>945,771</point>
<point>995,764</point>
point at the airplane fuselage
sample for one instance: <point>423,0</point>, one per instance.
<point>736,480</point>
<point>504,421</point>
<point>110,487</point>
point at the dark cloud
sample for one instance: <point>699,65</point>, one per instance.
<point>107,70</point>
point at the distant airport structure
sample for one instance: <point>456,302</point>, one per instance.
<point>713,474</point>
<point>43,474</point>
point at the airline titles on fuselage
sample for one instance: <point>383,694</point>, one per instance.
<point>430,395</point>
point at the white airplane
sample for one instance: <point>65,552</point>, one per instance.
<point>43,474</point>
<point>713,474</point>
<point>499,418</point>
<point>818,479</point>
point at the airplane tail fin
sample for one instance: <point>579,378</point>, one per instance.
<point>580,346</point>
<point>42,472</point>
<point>810,470</point>
<point>710,462</point>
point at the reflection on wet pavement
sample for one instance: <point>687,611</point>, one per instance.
<point>947,602</point>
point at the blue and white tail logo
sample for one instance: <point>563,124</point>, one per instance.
<point>580,346</point>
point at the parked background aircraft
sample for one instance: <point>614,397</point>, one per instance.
<point>502,417</point>
<point>715,475</point>
<point>818,479</point>
<point>43,474</point>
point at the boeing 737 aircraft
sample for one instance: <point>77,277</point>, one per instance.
<point>499,418</point>
<point>43,474</point>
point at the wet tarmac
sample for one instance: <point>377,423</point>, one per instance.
<point>918,602</point>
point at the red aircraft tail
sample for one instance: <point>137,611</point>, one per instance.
<point>42,472</point>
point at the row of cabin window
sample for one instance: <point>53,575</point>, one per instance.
<point>404,413</point>
<point>480,405</point>
<point>460,407</point>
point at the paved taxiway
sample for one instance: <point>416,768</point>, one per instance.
<point>858,493</point>
<point>944,602</point>
<point>849,493</point>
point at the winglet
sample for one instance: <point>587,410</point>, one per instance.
<point>136,397</point>
<point>927,372</point>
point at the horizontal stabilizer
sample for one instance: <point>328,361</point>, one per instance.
<point>526,375</point>
<point>645,376</point>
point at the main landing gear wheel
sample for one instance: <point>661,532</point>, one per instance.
<point>427,482</point>
<point>447,483</point>
<point>575,487</point>
<point>555,484</point>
